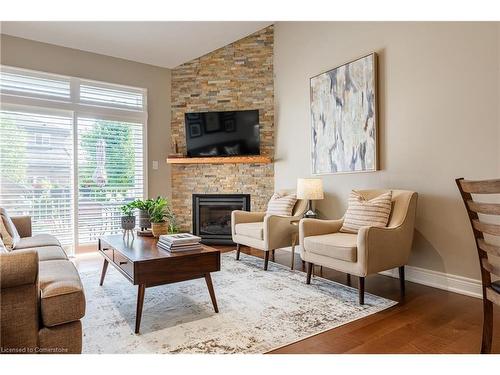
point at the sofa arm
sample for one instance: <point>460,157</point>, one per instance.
<point>19,296</point>
<point>316,227</point>
<point>23,225</point>
<point>18,268</point>
<point>239,217</point>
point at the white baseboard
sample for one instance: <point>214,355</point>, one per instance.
<point>440,280</point>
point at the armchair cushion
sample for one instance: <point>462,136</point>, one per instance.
<point>366,213</point>
<point>342,246</point>
<point>280,204</point>
<point>254,230</point>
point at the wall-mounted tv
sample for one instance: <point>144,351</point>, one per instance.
<point>227,133</point>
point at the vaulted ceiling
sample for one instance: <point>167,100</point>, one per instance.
<point>163,43</point>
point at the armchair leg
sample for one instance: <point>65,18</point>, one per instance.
<point>309,272</point>
<point>272,255</point>
<point>238,251</point>
<point>402,280</point>
<point>361,290</point>
<point>266,260</point>
<point>349,279</point>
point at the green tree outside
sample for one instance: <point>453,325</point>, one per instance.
<point>119,160</point>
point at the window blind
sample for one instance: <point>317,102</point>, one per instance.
<point>63,161</point>
<point>110,174</point>
<point>36,179</point>
<point>112,96</point>
<point>34,84</point>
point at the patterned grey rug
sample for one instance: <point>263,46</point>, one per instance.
<point>259,311</point>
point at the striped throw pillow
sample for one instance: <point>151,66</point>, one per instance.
<point>281,204</point>
<point>363,213</point>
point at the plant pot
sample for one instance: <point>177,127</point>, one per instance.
<point>159,228</point>
<point>128,222</point>
<point>144,222</point>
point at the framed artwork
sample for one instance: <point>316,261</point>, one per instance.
<point>344,110</point>
<point>212,123</point>
<point>229,125</point>
<point>194,130</point>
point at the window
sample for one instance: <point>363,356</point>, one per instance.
<point>71,152</point>
<point>42,139</point>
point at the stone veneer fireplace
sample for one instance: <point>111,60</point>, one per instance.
<point>212,215</point>
<point>238,76</point>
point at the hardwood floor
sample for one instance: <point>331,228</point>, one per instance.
<point>428,320</point>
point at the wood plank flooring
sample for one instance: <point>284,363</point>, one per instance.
<point>428,320</point>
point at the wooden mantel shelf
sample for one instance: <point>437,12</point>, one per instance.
<point>257,159</point>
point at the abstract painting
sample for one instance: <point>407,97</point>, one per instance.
<point>344,118</point>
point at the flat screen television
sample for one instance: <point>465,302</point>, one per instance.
<point>228,133</point>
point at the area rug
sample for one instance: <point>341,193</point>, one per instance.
<point>259,311</point>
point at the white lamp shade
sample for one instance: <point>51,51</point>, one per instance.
<point>310,188</point>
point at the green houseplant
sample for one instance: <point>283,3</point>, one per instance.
<point>159,214</point>
<point>128,218</point>
<point>144,206</point>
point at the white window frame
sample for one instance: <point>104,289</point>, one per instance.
<point>12,100</point>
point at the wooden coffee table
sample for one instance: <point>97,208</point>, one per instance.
<point>144,264</point>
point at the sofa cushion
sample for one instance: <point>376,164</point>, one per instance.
<point>8,230</point>
<point>38,240</point>
<point>342,246</point>
<point>3,249</point>
<point>62,298</point>
<point>254,230</point>
<point>49,253</point>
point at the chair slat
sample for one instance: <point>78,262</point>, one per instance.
<point>492,229</point>
<point>493,296</point>
<point>489,248</point>
<point>484,208</point>
<point>481,187</point>
<point>490,267</point>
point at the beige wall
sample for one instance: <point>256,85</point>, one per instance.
<point>54,59</point>
<point>439,98</point>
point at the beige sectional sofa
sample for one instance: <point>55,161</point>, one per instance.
<point>41,298</point>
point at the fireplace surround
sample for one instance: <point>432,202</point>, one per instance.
<point>212,215</point>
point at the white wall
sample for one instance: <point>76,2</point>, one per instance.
<point>438,101</point>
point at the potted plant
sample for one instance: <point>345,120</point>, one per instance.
<point>144,206</point>
<point>158,215</point>
<point>128,218</point>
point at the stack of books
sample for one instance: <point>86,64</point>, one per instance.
<point>179,242</point>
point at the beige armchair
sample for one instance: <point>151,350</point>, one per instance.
<point>265,232</point>
<point>369,251</point>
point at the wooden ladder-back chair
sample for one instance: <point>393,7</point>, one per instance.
<point>491,290</point>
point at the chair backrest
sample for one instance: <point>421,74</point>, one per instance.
<point>474,207</point>
<point>403,204</point>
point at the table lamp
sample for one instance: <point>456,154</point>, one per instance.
<point>310,189</point>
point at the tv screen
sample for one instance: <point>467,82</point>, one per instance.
<point>228,133</point>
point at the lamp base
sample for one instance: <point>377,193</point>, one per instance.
<point>310,214</point>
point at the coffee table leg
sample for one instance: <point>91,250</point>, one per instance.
<point>140,302</point>
<point>104,269</point>
<point>208,279</point>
